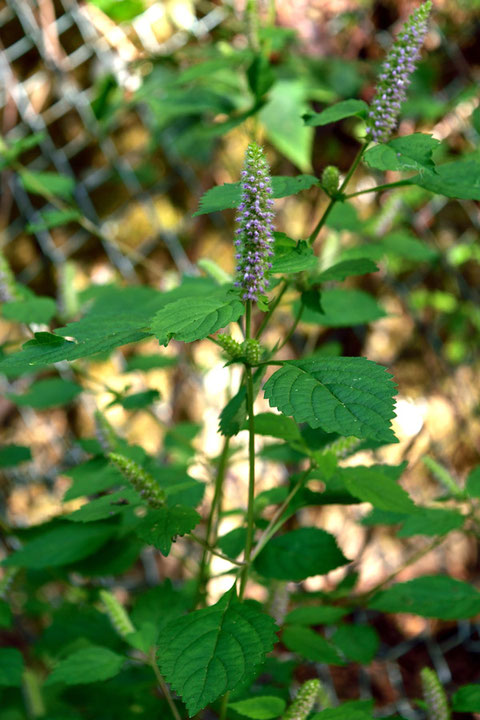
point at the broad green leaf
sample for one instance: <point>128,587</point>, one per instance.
<point>352,710</point>
<point>92,476</point>
<point>150,362</point>
<point>233,542</point>
<point>87,665</point>
<point>161,526</point>
<point>264,707</point>
<point>11,667</point>
<point>137,401</point>
<point>347,268</point>
<point>431,522</point>
<point>106,506</point>
<point>349,396</point>
<point>47,184</point>
<point>339,111</point>
<point>473,483</point>
<point>344,216</point>
<point>278,426</point>
<point>467,699</point>
<point>434,596</point>
<point>30,310</point>
<point>343,307</point>
<point>371,484</point>
<point>53,218</point>
<point>61,544</point>
<point>299,554</point>
<point>358,643</point>
<point>310,645</point>
<point>404,244</point>
<point>458,179</point>
<point>229,195</point>
<point>11,455</point>
<point>260,76</point>
<point>210,651</point>
<point>192,319</point>
<point>160,605</point>
<point>412,152</point>
<point>53,392</point>
<point>292,260</point>
<point>315,615</point>
<point>282,118</point>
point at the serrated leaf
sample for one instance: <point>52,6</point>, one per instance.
<point>161,526</point>
<point>458,179</point>
<point>210,651</point>
<point>371,484</point>
<point>47,183</point>
<point>11,667</point>
<point>30,310</point>
<point>53,392</point>
<point>292,260</point>
<point>259,708</point>
<point>412,152</point>
<point>87,665</point>
<point>357,642</point>
<point>349,396</point>
<point>11,455</point>
<point>315,615</point>
<point>310,645</point>
<point>467,699</point>
<point>284,127</point>
<point>192,319</point>
<point>339,111</point>
<point>343,307</point>
<point>229,195</point>
<point>299,554</point>
<point>434,596</point>
<point>61,544</point>
<point>106,506</point>
<point>347,268</point>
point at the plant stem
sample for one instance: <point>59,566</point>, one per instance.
<point>204,570</point>
<point>272,309</point>
<point>213,551</point>
<point>163,685</point>
<point>298,317</point>
<point>334,200</point>
<point>376,188</point>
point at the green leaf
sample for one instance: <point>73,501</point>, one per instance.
<point>150,362</point>
<point>11,667</point>
<point>373,485</point>
<point>339,111</point>
<point>93,476</point>
<point>87,665</point>
<point>259,708</point>
<point>412,152</point>
<point>233,542</point>
<point>344,216</point>
<point>277,426</point>
<point>229,195</point>
<point>347,268</point>
<point>476,119</point>
<point>343,307</point>
<point>349,396</point>
<point>473,483</point>
<point>106,506</point>
<point>47,183</point>
<point>210,651</point>
<point>61,544</point>
<point>53,218</point>
<point>315,615</point>
<point>234,413</point>
<point>137,401</point>
<point>260,76</point>
<point>434,596</point>
<point>310,645</point>
<point>352,710</point>
<point>161,526</point>
<point>43,394</point>
<point>431,522</point>
<point>192,319</point>
<point>357,642</point>
<point>294,259</point>
<point>5,616</point>
<point>30,310</point>
<point>467,699</point>
<point>11,455</point>
<point>283,124</point>
<point>404,244</point>
<point>299,554</point>
<point>458,179</point>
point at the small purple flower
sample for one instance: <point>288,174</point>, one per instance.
<point>255,233</point>
<point>395,76</point>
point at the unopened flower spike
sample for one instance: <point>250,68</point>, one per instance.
<point>117,614</point>
<point>434,696</point>
<point>254,236</point>
<point>395,75</point>
<point>139,479</point>
<point>304,702</point>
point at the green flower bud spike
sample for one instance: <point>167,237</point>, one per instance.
<point>331,179</point>
<point>141,481</point>
<point>343,446</point>
<point>304,702</point>
<point>251,349</point>
<point>117,614</point>
<point>232,348</point>
<point>434,696</point>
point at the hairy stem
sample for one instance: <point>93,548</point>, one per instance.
<point>163,685</point>
<point>271,309</point>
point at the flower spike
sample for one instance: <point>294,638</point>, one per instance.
<point>395,76</point>
<point>255,232</point>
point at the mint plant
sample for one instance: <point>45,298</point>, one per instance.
<point>173,650</point>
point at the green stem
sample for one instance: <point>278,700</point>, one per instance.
<point>376,188</point>
<point>204,570</point>
<point>213,551</point>
<point>332,202</point>
<point>272,309</point>
<point>163,685</point>
<point>298,317</point>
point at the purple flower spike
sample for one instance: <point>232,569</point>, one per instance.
<point>256,230</point>
<point>395,76</point>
